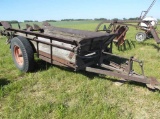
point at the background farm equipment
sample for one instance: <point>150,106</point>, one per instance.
<point>146,24</point>
<point>121,27</point>
<point>77,49</point>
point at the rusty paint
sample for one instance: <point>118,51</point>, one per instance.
<point>57,59</point>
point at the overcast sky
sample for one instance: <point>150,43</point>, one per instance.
<point>65,9</point>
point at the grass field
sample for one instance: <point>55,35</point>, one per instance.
<point>53,92</point>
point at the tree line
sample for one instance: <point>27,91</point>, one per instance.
<point>96,19</point>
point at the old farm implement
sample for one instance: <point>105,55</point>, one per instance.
<point>77,49</point>
<point>146,24</point>
<point>121,27</point>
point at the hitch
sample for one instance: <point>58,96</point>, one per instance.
<point>124,71</point>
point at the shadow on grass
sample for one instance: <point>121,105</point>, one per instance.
<point>136,84</point>
<point>127,45</point>
<point>4,82</point>
<point>41,65</point>
<point>156,46</point>
<point>91,76</point>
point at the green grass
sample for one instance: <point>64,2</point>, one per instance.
<point>55,92</point>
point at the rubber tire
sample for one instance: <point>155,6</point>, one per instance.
<point>149,35</point>
<point>142,38</point>
<point>27,53</point>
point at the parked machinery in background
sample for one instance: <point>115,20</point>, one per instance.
<point>147,25</point>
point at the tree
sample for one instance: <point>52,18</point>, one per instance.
<point>100,19</point>
<point>28,21</point>
<point>51,21</point>
<point>13,21</point>
<point>124,19</point>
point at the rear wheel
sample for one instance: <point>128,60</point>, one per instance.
<point>22,54</point>
<point>140,36</point>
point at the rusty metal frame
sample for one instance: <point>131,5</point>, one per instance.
<point>101,62</point>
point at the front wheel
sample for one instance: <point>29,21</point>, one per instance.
<point>22,54</point>
<point>140,36</point>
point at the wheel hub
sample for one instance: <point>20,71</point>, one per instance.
<point>18,55</point>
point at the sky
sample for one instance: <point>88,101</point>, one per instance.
<point>75,9</point>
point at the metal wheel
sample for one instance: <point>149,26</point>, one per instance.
<point>140,36</point>
<point>22,54</point>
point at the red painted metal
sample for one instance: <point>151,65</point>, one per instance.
<point>18,55</point>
